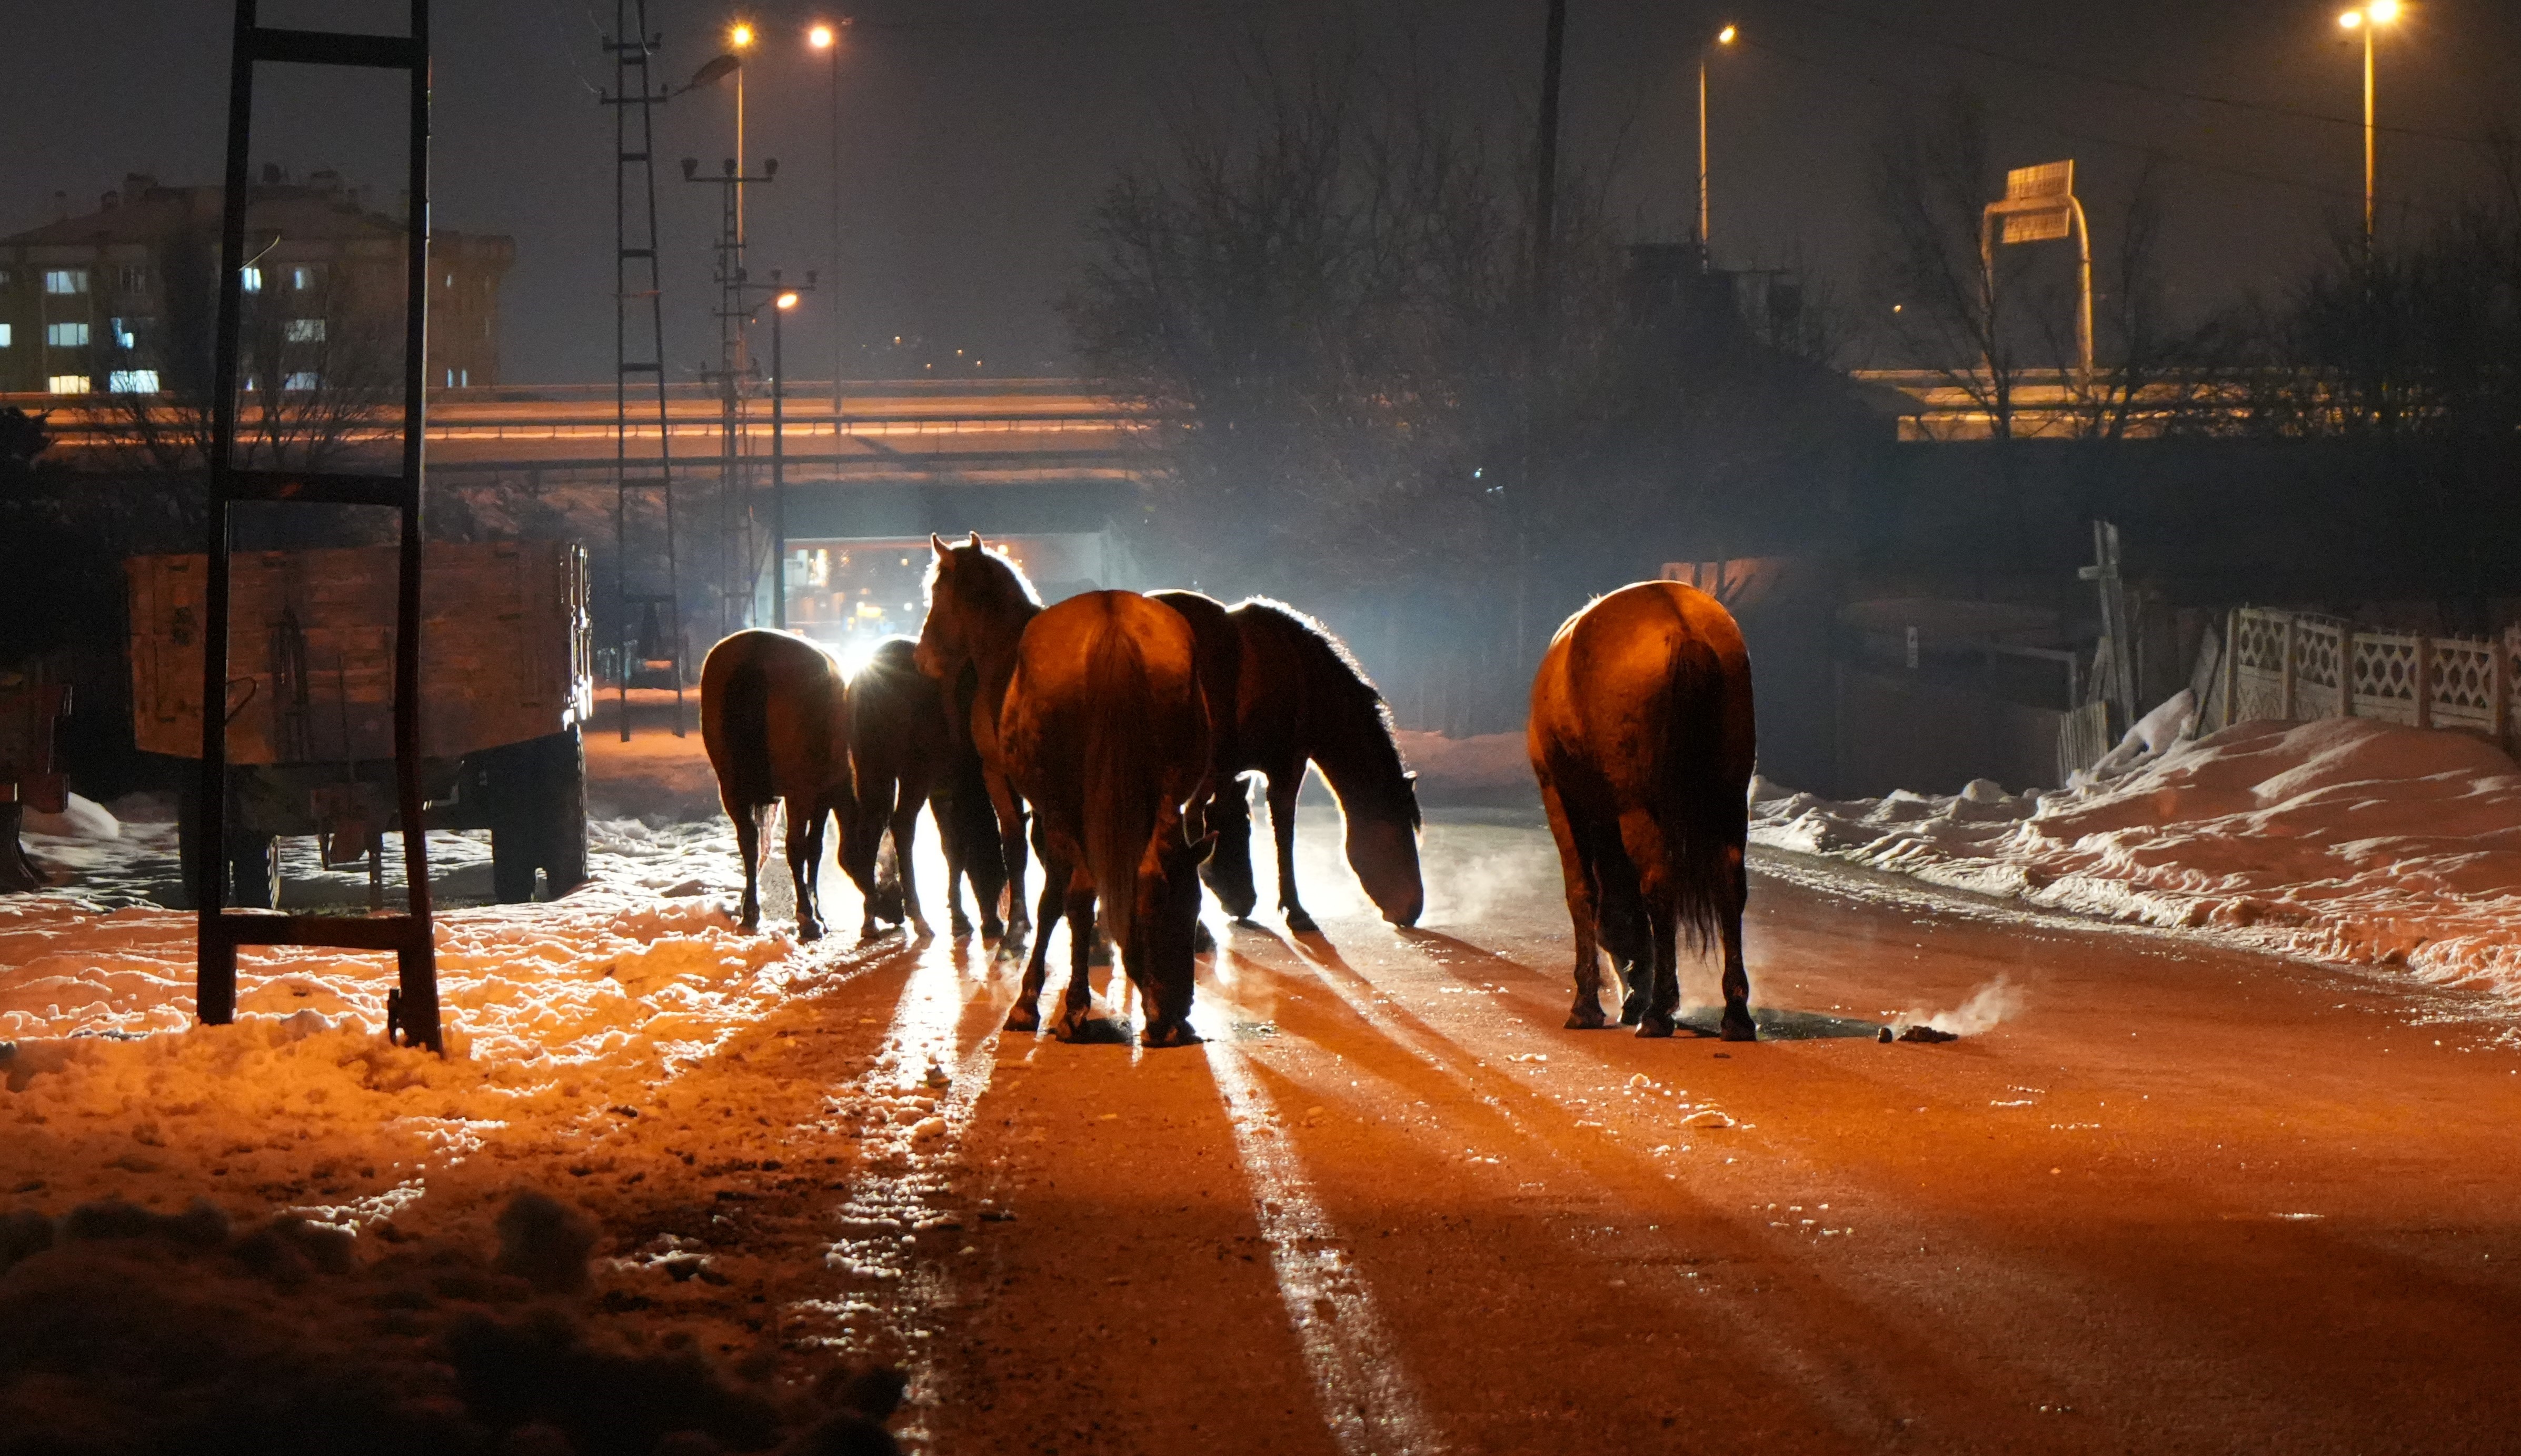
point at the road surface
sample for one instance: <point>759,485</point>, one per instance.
<point>2176,1200</point>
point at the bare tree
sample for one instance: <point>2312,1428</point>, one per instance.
<point>1932,177</point>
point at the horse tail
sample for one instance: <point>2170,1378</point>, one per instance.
<point>745,777</point>
<point>1120,786</point>
<point>1704,819</point>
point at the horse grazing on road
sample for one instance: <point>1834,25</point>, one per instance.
<point>1642,738</point>
<point>774,717</point>
<point>907,753</point>
<point>1105,733</point>
<point>979,606</point>
<point>1298,697</point>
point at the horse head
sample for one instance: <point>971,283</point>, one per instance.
<point>971,591</point>
<point>1383,851</point>
<point>1166,925</point>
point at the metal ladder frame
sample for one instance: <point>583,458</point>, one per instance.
<point>411,1010</point>
<point>628,56</point>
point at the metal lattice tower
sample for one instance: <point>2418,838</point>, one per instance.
<point>735,376</point>
<point>633,99</point>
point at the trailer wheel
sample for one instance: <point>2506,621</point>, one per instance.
<point>564,856</point>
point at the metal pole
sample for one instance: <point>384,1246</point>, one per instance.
<point>2084,309</point>
<point>2368,148</point>
<point>417,963</point>
<point>839,342</point>
<point>778,472</point>
<point>1704,256</point>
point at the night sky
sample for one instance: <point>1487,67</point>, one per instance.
<point>975,135</point>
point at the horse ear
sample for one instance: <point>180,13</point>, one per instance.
<point>975,540</point>
<point>937,543</point>
<point>1410,776</point>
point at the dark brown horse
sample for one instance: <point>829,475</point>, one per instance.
<point>774,717</point>
<point>1298,698</point>
<point>1105,733</point>
<point>1641,735</point>
<point>979,606</point>
<point>907,753</point>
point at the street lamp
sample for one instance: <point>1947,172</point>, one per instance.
<point>779,303</point>
<point>739,39</point>
<point>2370,18</point>
<point>826,38</point>
<point>1723,37</point>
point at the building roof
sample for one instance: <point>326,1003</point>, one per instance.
<point>321,209</point>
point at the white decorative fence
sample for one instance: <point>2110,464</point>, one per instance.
<point>2296,665</point>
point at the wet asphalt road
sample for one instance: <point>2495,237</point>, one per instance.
<point>2179,1200</point>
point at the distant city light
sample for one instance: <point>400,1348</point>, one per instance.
<point>1725,35</point>
<point>739,35</point>
<point>820,37</point>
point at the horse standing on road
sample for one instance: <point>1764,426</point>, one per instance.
<point>1105,733</point>
<point>979,605</point>
<point>774,718</point>
<point>1298,698</point>
<point>907,753</point>
<point>1642,738</point>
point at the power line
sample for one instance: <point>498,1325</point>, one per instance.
<point>2100,79</point>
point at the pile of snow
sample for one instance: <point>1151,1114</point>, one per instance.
<point>2342,839</point>
<point>1489,768</point>
<point>79,819</point>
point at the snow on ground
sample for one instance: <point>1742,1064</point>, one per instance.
<point>2343,841</point>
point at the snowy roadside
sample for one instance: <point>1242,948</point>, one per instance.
<point>2341,840</point>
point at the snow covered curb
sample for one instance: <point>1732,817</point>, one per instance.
<point>2343,841</point>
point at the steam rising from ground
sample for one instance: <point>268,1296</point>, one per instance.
<point>1985,1007</point>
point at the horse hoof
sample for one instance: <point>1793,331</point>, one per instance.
<point>1632,1009</point>
<point>1738,1025</point>
<point>1025,1019</point>
<point>810,929</point>
<point>1171,1034</point>
<point>961,927</point>
<point>1589,1019</point>
<point>1656,1026</point>
<point>920,930</point>
<point>1301,924</point>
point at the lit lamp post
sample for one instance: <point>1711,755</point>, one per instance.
<point>826,37</point>
<point>779,302</point>
<point>2370,18</point>
<point>1723,37</point>
<point>739,39</point>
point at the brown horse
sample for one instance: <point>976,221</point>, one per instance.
<point>1298,698</point>
<point>979,605</point>
<point>774,717</point>
<point>906,752</point>
<point>1641,735</point>
<point>1105,733</point>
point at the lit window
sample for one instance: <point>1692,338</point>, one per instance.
<point>465,376</point>
<point>252,280</point>
<point>120,329</point>
<point>65,280</point>
<point>66,336</point>
<point>132,382</point>
<point>305,330</point>
<point>304,381</point>
<point>5,340</point>
<point>67,383</point>
<point>304,276</point>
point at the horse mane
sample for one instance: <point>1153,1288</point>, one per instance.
<point>1335,672</point>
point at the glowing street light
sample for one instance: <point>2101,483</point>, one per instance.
<point>1723,37</point>
<point>739,35</point>
<point>2370,18</point>
<point>825,36</point>
<point>788,300</point>
<point>820,37</point>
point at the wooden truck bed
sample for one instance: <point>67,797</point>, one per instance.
<point>507,652</point>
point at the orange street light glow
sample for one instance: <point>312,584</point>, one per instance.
<point>739,35</point>
<point>2382,12</point>
<point>2351,19</point>
<point>820,37</point>
<point>1725,35</point>
<point>787,300</point>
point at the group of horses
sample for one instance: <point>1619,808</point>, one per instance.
<point>1111,734</point>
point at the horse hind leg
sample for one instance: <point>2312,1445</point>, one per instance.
<point>747,848</point>
<point>1737,1025</point>
<point>1650,852</point>
<point>1077,1008</point>
<point>905,839</point>
<point>805,856</point>
<point>1583,898</point>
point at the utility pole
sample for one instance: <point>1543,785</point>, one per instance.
<point>1544,225</point>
